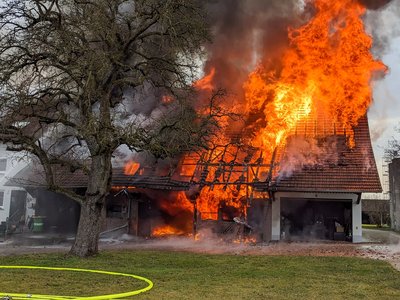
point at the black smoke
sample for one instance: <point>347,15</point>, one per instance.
<point>374,4</point>
<point>245,32</point>
<point>253,31</point>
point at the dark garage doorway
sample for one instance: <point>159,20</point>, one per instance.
<point>308,219</point>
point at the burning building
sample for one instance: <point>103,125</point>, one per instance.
<point>299,157</point>
<point>298,163</point>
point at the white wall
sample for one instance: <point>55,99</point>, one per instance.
<point>15,163</point>
<point>5,208</point>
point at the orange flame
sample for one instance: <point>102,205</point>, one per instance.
<point>167,99</point>
<point>180,210</point>
<point>167,230</point>
<point>212,202</point>
<point>245,240</point>
<point>131,168</point>
<point>178,204</point>
<point>205,83</point>
<point>325,72</point>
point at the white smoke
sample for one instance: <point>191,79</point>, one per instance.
<point>303,152</point>
<point>383,25</point>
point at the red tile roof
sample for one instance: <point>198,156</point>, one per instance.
<point>33,176</point>
<point>315,158</point>
<point>342,169</point>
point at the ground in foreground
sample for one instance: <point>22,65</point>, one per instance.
<point>178,275</point>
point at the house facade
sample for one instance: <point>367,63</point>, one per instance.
<point>323,199</point>
<point>16,205</point>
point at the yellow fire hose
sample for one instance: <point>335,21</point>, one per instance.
<point>15,296</point>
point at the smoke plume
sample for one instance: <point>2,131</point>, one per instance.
<point>243,30</point>
<point>374,4</point>
<point>382,25</point>
<point>309,152</point>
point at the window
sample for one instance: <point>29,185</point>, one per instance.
<point>1,198</point>
<point>3,165</point>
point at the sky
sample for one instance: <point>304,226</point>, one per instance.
<point>384,114</point>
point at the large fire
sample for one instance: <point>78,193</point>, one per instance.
<point>326,71</point>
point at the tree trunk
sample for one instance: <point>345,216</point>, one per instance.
<point>93,207</point>
<point>90,221</point>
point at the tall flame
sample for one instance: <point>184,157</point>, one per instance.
<point>326,71</point>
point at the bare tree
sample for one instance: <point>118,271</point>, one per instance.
<point>75,75</point>
<point>393,149</point>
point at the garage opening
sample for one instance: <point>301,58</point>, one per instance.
<point>308,219</point>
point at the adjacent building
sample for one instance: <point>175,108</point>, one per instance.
<point>394,187</point>
<point>16,205</point>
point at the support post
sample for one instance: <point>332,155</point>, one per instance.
<point>266,232</point>
<point>134,217</point>
<point>356,222</point>
<point>194,219</point>
<point>276,219</point>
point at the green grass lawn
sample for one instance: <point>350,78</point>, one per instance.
<point>179,275</point>
<point>374,226</point>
